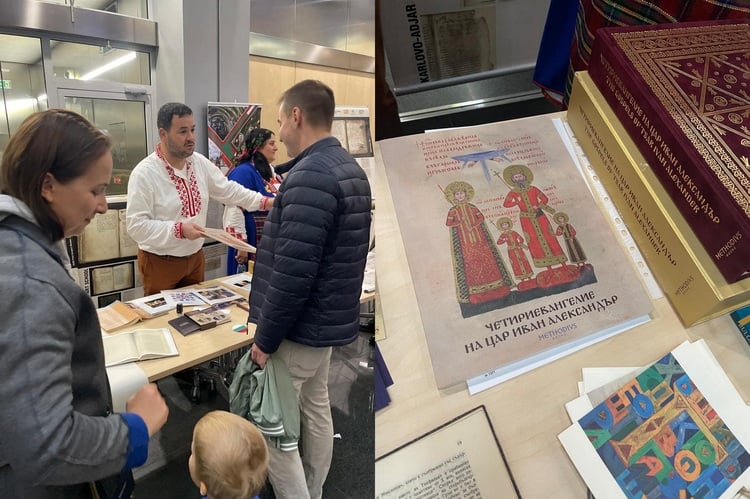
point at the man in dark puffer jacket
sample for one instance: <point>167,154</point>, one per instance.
<point>308,276</point>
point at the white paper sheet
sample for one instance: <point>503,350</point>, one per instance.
<point>700,364</point>
<point>497,376</point>
<point>124,381</point>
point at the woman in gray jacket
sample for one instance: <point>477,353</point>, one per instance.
<point>59,436</point>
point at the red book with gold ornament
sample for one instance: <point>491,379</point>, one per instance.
<point>682,91</point>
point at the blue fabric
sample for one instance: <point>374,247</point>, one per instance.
<point>246,175</point>
<point>137,440</point>
<point>553,59</point>
<point>741,318</point>
<point>383,380</point>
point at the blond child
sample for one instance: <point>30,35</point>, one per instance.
<point>229,458</point>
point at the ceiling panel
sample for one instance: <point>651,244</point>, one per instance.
<point>347,25</point>
<point>272,17</point>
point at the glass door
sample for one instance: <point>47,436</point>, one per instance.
<point>125,118</point>
<point>22,90</point>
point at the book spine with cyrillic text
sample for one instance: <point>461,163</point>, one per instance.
<point>720,224</point>
<point>684,270</point>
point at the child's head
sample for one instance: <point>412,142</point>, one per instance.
<point>504,224</point>
<point>229,457</point>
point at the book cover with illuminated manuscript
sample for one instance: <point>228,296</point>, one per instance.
<point>512,261</point>
<point>682,91</point>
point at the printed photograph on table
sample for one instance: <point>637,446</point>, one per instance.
<point>228,125</point>
<point>210,316</point>
<point>153,305</point>
<point>659,437</point>
<point>242,281</point>
<point>217,294</point>
<point>512,260</point>
<point>188,297</point>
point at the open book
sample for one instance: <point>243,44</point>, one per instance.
<point>140,344</point>
<point>118,314</point>
<point>105,239</point>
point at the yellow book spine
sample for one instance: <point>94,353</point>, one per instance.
<point>691,282</point>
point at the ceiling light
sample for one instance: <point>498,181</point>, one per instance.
<point>109,66</point>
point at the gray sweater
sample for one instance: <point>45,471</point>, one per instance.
<point>56,419</point>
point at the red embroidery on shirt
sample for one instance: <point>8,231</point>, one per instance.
<point>271,187</point>
<point>189,193</point>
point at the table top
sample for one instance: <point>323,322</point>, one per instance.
<point>197,347</point>
<point>201,346</point>
<point>526,412</point>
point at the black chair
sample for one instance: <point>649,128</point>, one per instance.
<point>214,376</point>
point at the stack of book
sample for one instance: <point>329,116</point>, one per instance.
<point>663,115</point>
<point>675,428</point>
<point>201,319</point>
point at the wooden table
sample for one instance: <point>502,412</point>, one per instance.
<point>197,347</point>
<point>527,412</point>
<point>202,346</point>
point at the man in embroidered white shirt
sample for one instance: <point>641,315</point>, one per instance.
<point>168,194</point>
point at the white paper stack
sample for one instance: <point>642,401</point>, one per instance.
<point>676,428</point>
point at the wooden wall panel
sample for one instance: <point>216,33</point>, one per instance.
<point>270,77</point>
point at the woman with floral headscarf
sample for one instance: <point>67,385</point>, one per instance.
<point>253,170</point>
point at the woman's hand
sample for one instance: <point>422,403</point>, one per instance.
<point>241,257</point>
<point>148,403</point>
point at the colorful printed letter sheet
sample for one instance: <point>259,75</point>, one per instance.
<point>660,437</point>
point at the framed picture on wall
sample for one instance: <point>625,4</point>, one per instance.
<point>228,125</point>
<point>109,278</point>
<point>351,126</point>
